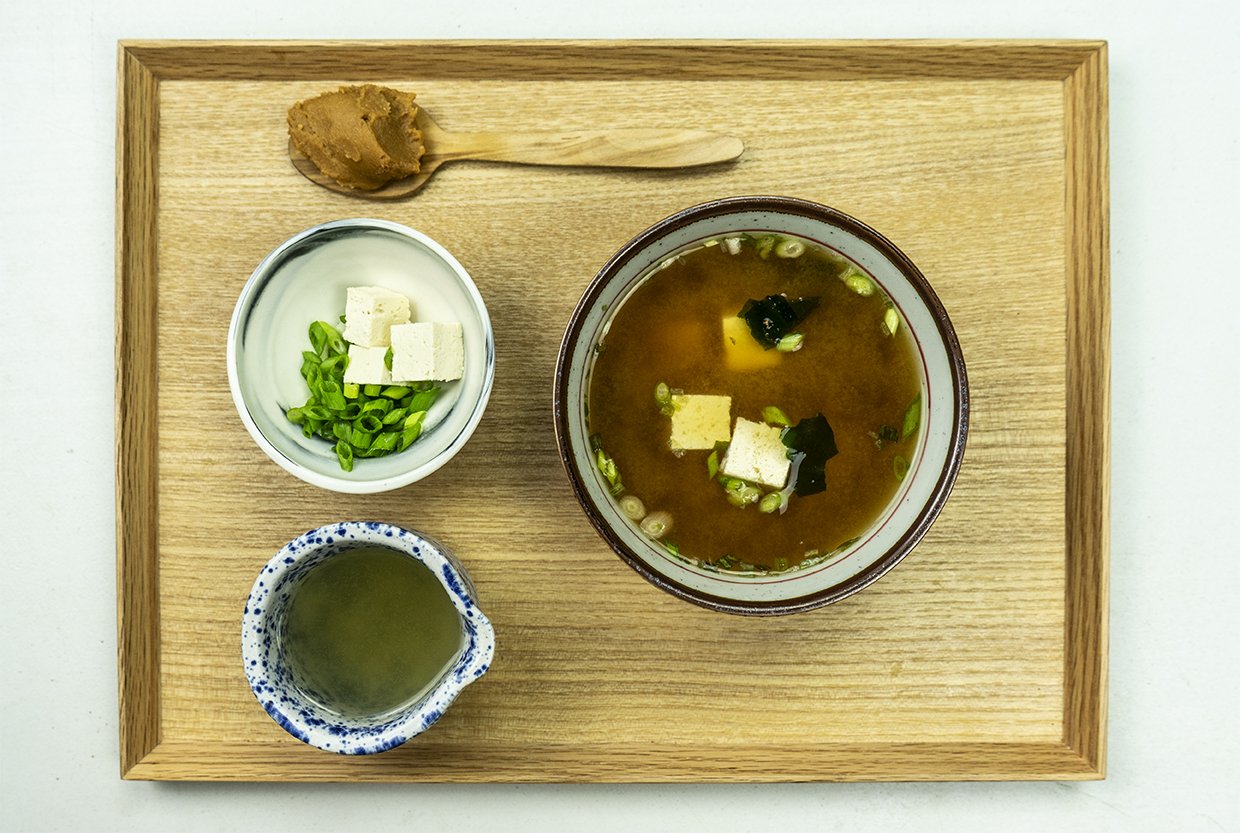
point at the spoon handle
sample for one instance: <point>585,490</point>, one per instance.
<point>625,148</point>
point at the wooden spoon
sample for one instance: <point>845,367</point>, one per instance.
<point>625,148</point>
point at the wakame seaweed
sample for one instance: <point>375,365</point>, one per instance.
<point>811,443</point>
<point>773,317</point>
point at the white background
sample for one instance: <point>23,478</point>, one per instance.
<point>1174,735</point>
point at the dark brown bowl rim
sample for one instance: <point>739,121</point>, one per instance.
<point>960,425</point>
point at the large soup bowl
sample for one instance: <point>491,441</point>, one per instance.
<point>828,577</point>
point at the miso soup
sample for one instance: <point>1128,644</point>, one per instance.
<point>755,403</point>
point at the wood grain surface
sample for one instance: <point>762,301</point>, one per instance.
<point>983,656</point>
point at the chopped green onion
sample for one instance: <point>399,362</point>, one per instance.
<point>358,420</point>
<point>369,423</point>
<point>326,340</point>
<point>780,564</point>
<point>771,503</point>
<point>912,418</point>
<point>607,466</point>
<point>740,493</point>
<point>395,415</point>
<point>408,435</point>
<point>673,549</point>
<point>313,376</point>
<point>790,343</point>
<point>387,359</point>
<point>725,562</point>
<point>662,394</point>
<point>891,321</point>
<point>900,466</point>
<point>344,453</point>
<point>331,394</point>
<point>859,283</point>
<point>764,246</point>
<point>774,416</point>
<point>656,524</point>
<point>336,365</point>
<point>422,400</point>
<point>789,247</point>
<point>632,507</point>
<point>712,464</point>
<point>318,339</point>
<point>379,406</point>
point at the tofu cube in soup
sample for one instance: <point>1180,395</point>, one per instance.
<point>700,421</point>
<point>428,351</point>
<point>757,455</point>
<point>369,314</point>
<point>367,366</point>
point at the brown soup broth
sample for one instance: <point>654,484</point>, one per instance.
<point>861,378</point>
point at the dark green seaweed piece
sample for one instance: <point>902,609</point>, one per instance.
<point>811,443</point>
<point>773,317</point>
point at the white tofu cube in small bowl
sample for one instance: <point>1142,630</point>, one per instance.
<point>430,350</point>
<point>371,312</point>
<point>358,281</point>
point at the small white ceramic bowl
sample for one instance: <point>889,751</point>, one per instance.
<point>940,446</point>
<point>263,656</point>
<point>304,280</point>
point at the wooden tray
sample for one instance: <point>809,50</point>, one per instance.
<point>982,657</point>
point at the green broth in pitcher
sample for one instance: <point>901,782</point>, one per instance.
<point>369,631</point>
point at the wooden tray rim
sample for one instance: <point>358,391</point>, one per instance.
<point>1080,66</point>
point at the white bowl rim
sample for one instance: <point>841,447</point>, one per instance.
<point>337,484</point>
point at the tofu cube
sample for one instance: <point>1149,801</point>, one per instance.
<point>700,421</point>
<point>742,352</point>
<point>367,366</point>
<point>757,455</point>
<point>428,351</point>
<point>370,312</point>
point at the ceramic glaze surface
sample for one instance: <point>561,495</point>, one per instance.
<point>304,280</point>
<point>940,441</point>
<point>272,681</point>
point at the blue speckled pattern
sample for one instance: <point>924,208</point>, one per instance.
<point>263,655</point>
